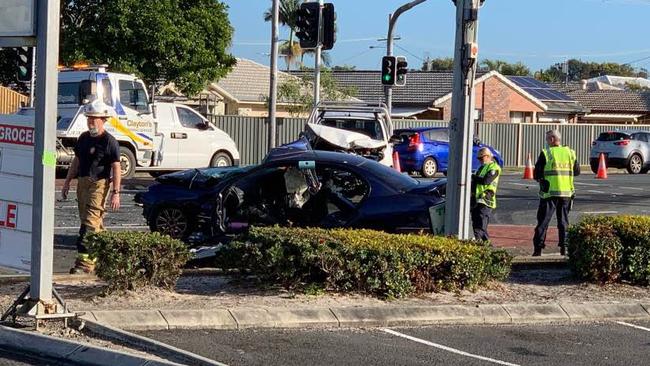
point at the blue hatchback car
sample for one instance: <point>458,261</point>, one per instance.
<point>426,150</point>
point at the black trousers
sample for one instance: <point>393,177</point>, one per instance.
<point>547,207</point>
<point>480,220</point>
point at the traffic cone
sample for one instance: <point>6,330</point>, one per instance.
<point>528,170</point>
<point>396,164</point>
<point>602,168</point>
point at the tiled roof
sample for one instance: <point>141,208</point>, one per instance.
<point>422,87</point>
<point>249,81</point>
<point>613,100</point>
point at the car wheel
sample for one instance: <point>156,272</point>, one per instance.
<point>170,221</point>
<point>635,164</point>
<point>220,159</point>
<point>127,163</point>
<point>429,167</point>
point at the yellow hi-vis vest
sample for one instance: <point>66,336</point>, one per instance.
<point>490,202</point>
<point>558,171</point>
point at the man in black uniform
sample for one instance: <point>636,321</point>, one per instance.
<point>97,155</point>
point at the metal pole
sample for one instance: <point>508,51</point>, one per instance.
<point>44,151</point>
<point>273,92</point>
<point>392,19</point>
<point>461,126</point>
<point>33,80</point>
<point>319,50</point>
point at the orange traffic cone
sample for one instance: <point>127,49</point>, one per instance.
<point>528,170</point>
<point>396,164</point>
<point>602,168</point>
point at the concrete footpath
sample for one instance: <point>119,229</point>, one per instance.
<point>260,317</point>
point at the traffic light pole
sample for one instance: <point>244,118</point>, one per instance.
<point>273,92</point>
<point>319,50</point>
<point>392,19</point>
<point>31,84</point>
<point>461,126</point>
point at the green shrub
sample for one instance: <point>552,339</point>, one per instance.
<point>128,260</point>
<point>611,248</point>
<point>368,261</point>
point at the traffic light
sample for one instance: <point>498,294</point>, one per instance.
<point>24,64</point>
<point>329,26</point>
<point>402,69</point>
<point>388,70</point>
<point>308,25</point>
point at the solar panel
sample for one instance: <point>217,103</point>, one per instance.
<point>538,89</point>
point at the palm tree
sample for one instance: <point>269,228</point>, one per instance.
<point>288,17</point>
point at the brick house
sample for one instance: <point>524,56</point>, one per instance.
<point>427,95</point>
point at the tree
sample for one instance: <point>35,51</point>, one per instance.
<point>438,64</point>
<point>344,68</point>
<point>180,41</point>
<point>579,70</point>
<point>505,68</point>
<point>297,92</point>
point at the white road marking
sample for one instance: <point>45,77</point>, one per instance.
<point>634,326</point>
<point>448,349</point>
<point>594,191</point>
<point>521,184</point>
<point>586,184</point>
<point>633,188</point>
<point>68,207</point>
<point>125,191</point>
<point>129,226</point>
<point>600,212</point>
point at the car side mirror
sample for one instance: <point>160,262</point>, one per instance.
<point>395,139</point>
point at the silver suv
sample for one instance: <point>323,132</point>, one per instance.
<point>623,150</point>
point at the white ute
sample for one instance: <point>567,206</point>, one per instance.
<point>155,137</point>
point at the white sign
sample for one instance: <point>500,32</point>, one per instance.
<point>17,18</point>
<point>16,177</point>
<point>437,215</point>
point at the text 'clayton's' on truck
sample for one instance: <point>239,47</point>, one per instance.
<point>154,137</point>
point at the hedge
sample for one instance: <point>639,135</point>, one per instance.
<point>378,263</point>
<point>129,260</point>
<point>608,249</point>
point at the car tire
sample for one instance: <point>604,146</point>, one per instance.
<point>171,221</point>
<point>127,162</point>
<point>635,164</point>
<point>429,167</point>
<point>220,159</point>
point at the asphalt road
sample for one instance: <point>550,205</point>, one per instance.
<point>589,344</point>
<point>19,358</point>
<point>517,200</point>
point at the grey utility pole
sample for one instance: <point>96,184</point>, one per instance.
<point>461,126</point>
<point>273,92</point>
<point>392,19</point>
<point>319,50</point>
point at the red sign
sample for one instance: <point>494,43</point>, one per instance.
<point>18,135</point>
<point>8,215</point>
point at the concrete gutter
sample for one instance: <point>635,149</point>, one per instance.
<point>242,318</point>
<point>148,345</point>
<point>65,350</point>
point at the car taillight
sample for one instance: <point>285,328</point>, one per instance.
<point>414,142</point>
<point>622,142</point>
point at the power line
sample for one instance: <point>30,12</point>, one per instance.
<point>409,52</point>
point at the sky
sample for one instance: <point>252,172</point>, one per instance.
<point>538,33</point>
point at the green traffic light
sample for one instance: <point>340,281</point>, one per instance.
<point>387,77</point>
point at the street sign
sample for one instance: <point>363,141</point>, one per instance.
<point>16,179</point>
<point>17,18</point>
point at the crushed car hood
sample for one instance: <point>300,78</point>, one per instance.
<point>201,178</point>
<point>344,139</point>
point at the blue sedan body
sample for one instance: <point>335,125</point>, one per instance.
<point>420,144</point>
<point>360,193</point>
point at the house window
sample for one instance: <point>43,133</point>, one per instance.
<point>521,117</point>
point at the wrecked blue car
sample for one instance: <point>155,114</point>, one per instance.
<point>294,186</point>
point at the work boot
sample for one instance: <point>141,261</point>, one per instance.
<point>83,266</point>
<point>537,252</point>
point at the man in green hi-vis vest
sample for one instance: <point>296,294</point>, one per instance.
<point>554,170</point>
<point>484,193</point>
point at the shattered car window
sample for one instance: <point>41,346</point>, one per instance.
<point>369,127</point>
<point>347,184</point>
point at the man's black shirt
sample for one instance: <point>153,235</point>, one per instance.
<point>96,154</point>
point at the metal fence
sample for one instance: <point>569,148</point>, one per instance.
<point>514,140</point>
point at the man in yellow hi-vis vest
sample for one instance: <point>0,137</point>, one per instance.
<point>484,193</point>
<point>554,170</point>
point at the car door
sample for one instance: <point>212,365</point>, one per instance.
<point>193,143</point>
<point>168,126</point>
<point>438,147</point>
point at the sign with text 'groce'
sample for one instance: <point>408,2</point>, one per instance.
<point>16,178</point>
